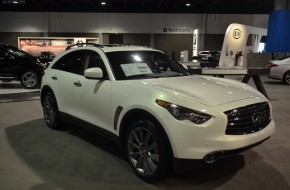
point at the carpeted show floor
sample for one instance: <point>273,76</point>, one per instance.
<point>37,158</point>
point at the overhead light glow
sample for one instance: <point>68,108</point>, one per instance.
<point>187,4</point>
<point>137,58</point>
<point>103,2</point>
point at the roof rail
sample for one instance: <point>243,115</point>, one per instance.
<point>120,45</point>
<point>116,45</point>
<point>82,44</point>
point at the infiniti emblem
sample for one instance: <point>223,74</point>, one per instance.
<point>257,118</point>
<point>237,33</point>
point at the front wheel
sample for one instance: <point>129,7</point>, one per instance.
<point>30,79</point>
<point>286,78</point>
<point>147,151</point>
<point>50,111</point>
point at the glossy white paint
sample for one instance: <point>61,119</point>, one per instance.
<point>279,71</point>
<point>96,101</point>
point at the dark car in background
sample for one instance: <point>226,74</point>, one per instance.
<point>18,65</point>
<point>209,56</point>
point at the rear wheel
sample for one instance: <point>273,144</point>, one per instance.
<point>50,111</point>
<point>30,79</point>
<point>286,78</point>
<point>147,151</point>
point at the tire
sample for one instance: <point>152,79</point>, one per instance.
<point>30,79</point>
<point>50,111</point>
<point>286,78</point>
<point>147,152</point>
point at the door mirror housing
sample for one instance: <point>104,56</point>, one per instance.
<point>94,73</point>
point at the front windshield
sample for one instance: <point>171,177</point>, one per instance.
<point>128,65</point>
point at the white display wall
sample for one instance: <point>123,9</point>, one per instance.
<point>48,22</point>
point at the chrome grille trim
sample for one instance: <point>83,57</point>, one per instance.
<point>248,119</point>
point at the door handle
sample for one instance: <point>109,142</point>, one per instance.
<point>54,77</point>
<point>78,84</point>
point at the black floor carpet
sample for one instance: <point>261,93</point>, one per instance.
<point>74,158</point>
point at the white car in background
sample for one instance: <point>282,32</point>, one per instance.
<point>161,116</point>
<point>280,70</point>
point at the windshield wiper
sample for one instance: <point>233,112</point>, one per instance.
<point>141,76</point>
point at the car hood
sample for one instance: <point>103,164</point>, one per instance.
<point>211,91</point>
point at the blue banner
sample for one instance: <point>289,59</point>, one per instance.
<point>278,37</point>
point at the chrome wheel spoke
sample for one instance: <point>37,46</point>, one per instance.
<point>154,157</point>
<point>136,137</point>
<point>147,138</point>
<point>141,135</point>
<point>139,163</point>
<point>146,167</point>
<point>153,146</point>
<point>133,144</point>
<point>135,155</point>
<point>151,164</point>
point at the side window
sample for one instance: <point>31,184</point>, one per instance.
<point>93,59</point>
<point>71,62</point>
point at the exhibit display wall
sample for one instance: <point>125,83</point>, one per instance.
<point>141,29</point>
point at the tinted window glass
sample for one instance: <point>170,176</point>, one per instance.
<point>71,62</point>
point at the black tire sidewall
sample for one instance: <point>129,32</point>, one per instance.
<point>56,124</point>
<point>164,166</point>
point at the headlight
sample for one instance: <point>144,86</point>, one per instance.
<point>182,113</point>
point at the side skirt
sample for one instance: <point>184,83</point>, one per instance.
<point>93,128</point>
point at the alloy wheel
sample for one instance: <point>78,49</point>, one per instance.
<point>143,151</point>
<point>29,79</point>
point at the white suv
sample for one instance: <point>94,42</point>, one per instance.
<point>163,117</point>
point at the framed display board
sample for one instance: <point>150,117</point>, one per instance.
<point>49,46</point>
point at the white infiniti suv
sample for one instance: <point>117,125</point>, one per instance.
<point>163,117</point>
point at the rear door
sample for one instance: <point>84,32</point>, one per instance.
<point>63,75</point>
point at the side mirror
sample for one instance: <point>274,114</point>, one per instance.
<point>94,73</point>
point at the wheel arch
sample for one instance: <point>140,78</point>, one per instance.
<point>137,115</point>
<point>45,89</point>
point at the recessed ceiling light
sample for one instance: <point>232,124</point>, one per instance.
<point>103,2</point>
<point>187,4</point>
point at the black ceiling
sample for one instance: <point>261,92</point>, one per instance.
<point>142,6</point>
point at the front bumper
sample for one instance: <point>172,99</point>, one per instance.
<point>190,141</point>
<point>182,165</point>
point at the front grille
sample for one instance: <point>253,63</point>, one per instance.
<point>248,119</point>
